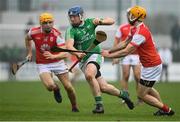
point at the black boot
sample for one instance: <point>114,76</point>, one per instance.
<point>162,113</point>
<point>57,95</point>
<point>125,96</point>
<point>99,109</point>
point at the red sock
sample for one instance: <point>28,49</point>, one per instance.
<point>165,108</point>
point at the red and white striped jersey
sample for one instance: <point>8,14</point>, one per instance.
<point>44,42</point>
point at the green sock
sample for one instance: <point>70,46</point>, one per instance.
<point>123,94</point>
<point>98,100</point>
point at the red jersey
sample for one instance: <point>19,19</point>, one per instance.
<point>124,31</point>
<point>44,42</point>
<point>148,54</point>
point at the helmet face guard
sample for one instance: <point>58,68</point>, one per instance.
<point>132,19</point>
<point>46,21</point>
<point>76,11</point>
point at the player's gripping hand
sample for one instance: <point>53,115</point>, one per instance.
<point>80,55</point>
<point>105,53</point>
<point>48,55</point>
<point>29,57</point>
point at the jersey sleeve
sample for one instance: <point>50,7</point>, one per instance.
<point>137,40</point>
<point>29,34</point>
<point>69,34</point>
<point>60,41</point>
<point>91,21</point>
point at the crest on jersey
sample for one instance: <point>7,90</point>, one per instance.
<point>45,47</point>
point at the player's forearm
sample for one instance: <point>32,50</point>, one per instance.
<point>28,46</point>
<point>118,54</point>
<point>61,55</point>
<point>118,47</point>
<point>121,45</point>
<point>107,21</point>
<point>70,47</point>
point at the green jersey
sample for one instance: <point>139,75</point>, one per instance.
<point>83,36</point>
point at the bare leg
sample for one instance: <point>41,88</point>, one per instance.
<point>153,92</point>
<point>90,73</point>
<point>64,78</point>
<point>46,78</point>
<point>76,75</point>
<point>149,99</point>
<point>125,76</point>
<point>137,72</point>
<point>108,88</point>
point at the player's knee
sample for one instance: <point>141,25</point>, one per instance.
<point>89,76</point>
<point>140,95</point>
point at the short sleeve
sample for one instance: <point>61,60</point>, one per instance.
<point>60,41</point>
<point>29,34</point>
<point>138,39</point>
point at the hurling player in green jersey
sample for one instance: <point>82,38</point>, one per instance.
<point>79,36</point>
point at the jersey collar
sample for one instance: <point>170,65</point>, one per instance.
<point>45,33</point>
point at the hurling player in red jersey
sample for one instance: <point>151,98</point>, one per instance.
<point>45,37</point>
<point>143,43</point>
<point>129,61</point>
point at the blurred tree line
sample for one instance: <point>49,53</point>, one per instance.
<point>12,54</point>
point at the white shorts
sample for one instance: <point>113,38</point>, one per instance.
<point>151,73</point>
<point>130,60</point>
<point>56,68</point>
<point>95,57</point>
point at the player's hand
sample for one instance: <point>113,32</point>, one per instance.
<point>80,55</point>
<point>48,55</point>
<point>29,56</point>
<point>115,61</point>
<point>97,21</point>
<point>105,53</point>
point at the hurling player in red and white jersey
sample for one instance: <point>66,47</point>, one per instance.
<point>45,37</point>
<point>143,43</point>
<point>129,61</point>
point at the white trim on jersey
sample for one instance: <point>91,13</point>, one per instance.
<point>29,33</point>
<point>138,39</point>
<point>60,40</point>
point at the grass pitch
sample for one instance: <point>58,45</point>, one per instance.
<point>30,101</point>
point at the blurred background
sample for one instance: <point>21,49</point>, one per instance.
<point>17,16</point>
